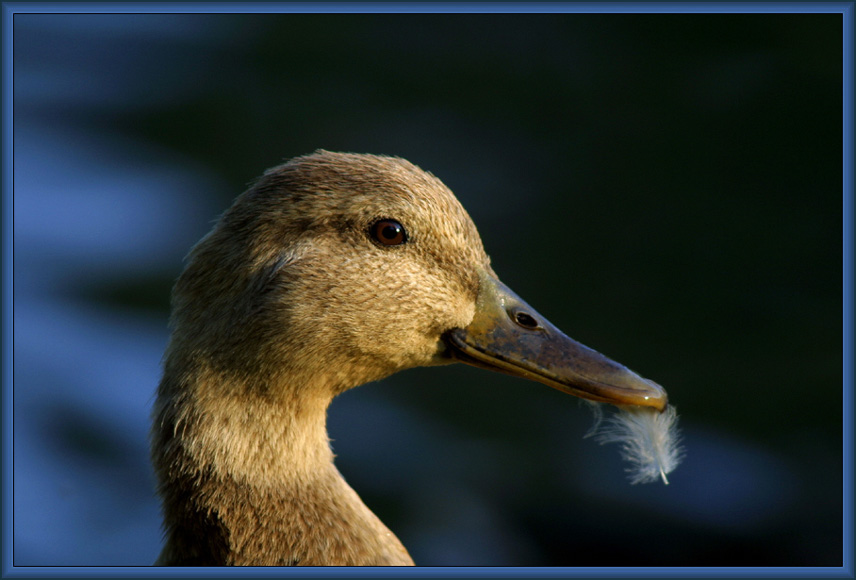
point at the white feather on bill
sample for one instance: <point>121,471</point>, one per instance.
<point>649,440</point>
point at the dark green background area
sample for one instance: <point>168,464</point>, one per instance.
<point>667,189</point>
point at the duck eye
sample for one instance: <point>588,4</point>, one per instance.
<point>388,232</point>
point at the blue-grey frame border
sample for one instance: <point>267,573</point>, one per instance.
<point>9,9</point>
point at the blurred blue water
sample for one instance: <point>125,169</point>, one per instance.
<point>82,213</point>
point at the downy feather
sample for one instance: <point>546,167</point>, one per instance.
<point>649,440</point>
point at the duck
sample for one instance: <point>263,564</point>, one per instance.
<point>330,271</point>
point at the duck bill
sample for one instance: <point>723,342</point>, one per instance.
<point>509,336</point>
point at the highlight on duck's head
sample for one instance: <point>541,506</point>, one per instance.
<point>344,268</point>
<point>340,268</point>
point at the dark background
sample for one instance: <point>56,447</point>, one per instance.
<point>665,188</point>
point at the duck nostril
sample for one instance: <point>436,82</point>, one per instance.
<point>525,320</point>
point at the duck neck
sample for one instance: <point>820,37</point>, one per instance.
<point>263,440</point>
<point>248,478</point>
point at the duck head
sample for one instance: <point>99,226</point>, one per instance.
<point>341,269</point>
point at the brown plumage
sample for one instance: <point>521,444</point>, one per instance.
<point>290,301</point>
